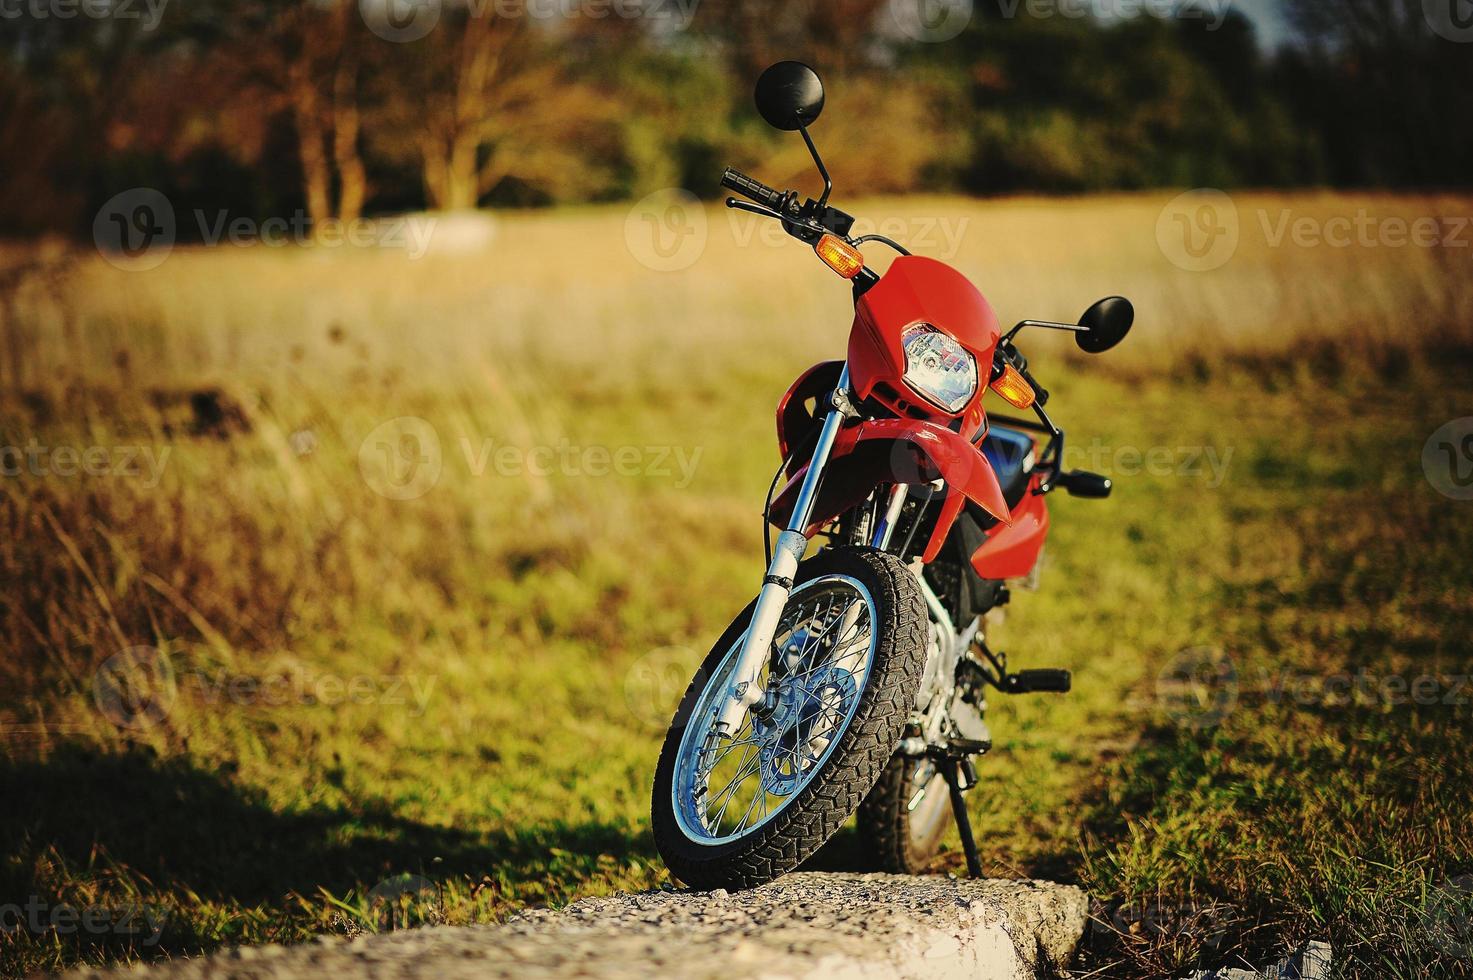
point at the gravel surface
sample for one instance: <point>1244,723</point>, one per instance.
<point>804,925</point>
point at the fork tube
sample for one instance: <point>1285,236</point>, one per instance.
<point>886,529</point>
<point>778,585</point>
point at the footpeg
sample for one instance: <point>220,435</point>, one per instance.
<point>1037,682</point>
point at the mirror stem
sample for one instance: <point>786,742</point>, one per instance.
<point>1049,324</point>
<point>823,171</point>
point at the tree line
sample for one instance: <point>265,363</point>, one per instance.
<point>338,108</point>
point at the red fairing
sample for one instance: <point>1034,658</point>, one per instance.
<point>919,290</point>
<point>897,451</point>
<point>794,420</point>
<point>1012,551</point>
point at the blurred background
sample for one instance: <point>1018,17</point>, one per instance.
<point>343,109</point>
<point>386,412</point>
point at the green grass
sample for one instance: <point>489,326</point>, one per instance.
<point>471,686</point>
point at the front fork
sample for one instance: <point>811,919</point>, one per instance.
<point>792,543</point>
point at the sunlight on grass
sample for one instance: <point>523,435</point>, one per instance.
<point>283,665</point>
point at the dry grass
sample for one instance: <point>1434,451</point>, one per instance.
<point>541,625</point>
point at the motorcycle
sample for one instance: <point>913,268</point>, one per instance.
<point>855,681</point>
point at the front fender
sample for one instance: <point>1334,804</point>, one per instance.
<point>906,451</point>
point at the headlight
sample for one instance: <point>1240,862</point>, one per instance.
<point>939,368</point>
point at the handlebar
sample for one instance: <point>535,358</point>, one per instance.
<point>750,187</point>
<point>1039,391</point>
<point>1012,357</point>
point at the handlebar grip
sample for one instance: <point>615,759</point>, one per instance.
<point>737,181</point>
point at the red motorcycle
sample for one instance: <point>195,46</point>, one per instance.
<point>855,680</point>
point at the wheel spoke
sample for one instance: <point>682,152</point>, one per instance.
<point>732,784</point>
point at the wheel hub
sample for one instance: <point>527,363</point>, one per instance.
<point>800,707</point>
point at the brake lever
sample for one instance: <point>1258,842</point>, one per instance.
<point>814,231</point>
<point>740,205</point>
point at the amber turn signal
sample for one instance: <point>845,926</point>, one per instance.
<point>840,256</point>
<point>1014,389</point>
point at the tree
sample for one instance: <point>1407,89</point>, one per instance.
<point>485,102</point>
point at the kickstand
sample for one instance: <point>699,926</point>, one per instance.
<point>950,770</point>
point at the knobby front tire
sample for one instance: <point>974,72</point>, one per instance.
<point>709,857</point>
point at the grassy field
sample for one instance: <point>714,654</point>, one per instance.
<point>341,588</point>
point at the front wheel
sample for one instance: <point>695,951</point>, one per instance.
<point>738,809</point>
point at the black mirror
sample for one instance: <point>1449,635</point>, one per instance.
<point>789,95</point>
<point>1105,325</point>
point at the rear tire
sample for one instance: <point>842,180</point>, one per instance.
<point>904,840</point>
<point>857,756</point>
